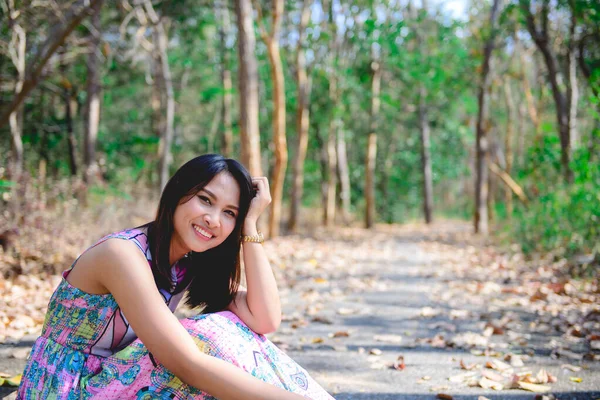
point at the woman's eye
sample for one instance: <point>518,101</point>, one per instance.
<point>230,213</point>
<point>204,199</point>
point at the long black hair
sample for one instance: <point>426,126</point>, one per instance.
<point>213,275</point>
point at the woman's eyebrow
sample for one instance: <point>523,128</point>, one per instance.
<point>211,194</point>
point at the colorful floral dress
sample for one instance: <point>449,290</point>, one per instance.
<point>87,349</point>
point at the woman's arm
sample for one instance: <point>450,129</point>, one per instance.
<point>123,271</point>
<point>257,305</point>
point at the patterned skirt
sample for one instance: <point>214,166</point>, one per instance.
<point>133,373</point>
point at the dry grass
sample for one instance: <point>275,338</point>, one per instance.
<point>50,223</point>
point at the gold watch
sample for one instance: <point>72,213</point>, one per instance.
<point>258,238</point>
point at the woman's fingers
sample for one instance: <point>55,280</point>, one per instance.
<point>262,186</point>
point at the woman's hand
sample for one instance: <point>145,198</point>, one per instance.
<point>261,200</point>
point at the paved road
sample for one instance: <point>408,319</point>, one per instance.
<point>405,280</point>
<point>374,287</point>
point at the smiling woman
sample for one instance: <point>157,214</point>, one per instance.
<point>110,332</point>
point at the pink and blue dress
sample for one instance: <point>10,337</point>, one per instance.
<point>87,349</point>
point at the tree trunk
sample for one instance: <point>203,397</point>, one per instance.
<point>156,98</point>
<point>426,158</point>
<point>166,138</point>
<point>343,175</point>
<point>572,89</point>
<point>543,43</point>
<point>248,88</point>
<point>279,136</point>
<point>93,100</point>
<point>302,121</point>
<point>508,153</point>
<point>370,181</point>
<point>491,200</point>
<point>384,182</point>
<point>323,161</point>
<point>70,104</point>
<point>224,33</point>
<point>424,128</point>
<point>16,117</point>
<point>331,183</point>
<point>482,141</point>
<point>55,38</point>
<point>372,145</point>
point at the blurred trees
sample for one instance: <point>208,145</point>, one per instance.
<point>151,84</point>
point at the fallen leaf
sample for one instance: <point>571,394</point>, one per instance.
<point>444,396</point>
<point>388,338</point>
<point>317,340</point>
<point>375,352</point>
<point>493,376</point>
<point>339,334</point>
<point>322,320</point>
<point>498,365</point>
<point>514,360</point>
<point>542,376</point>
<point>467,367</point>
<point>575,379</point>
<point>570,367</point>
<point>428,312</point>
<point>490,384</point>
<point>533,387</point>
<point>399,364</point>
<point>12,381</point>
<point>462,377</point>
<point>320,280</point>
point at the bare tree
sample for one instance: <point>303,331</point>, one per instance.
<point>564,99</point>
<point>224,33</point>
<point>55,38</point>
<point>248,87</point>
<point>302,119</point>
<point>508,147</point>
<point>372,143</point>
<point>93,98</point>
<point>16,49</point>
<point>166,138</point>
<point>482,140</point>
<point>329,152</point>
<point>70,103</point>
<point>271,39</point>
<point>421,30</point>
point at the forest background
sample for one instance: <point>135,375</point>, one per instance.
<point>359,113</point>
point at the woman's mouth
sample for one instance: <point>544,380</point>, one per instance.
<point>202,233</point>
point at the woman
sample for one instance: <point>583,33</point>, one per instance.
<point>110,332</point>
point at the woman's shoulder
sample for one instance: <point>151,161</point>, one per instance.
<point>107,256</point>
<point>137,236</point>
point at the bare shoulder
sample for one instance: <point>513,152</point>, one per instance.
<point>106,260</point>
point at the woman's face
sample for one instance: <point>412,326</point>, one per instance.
<point>207,219</point>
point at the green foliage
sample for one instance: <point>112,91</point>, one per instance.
<point>563,218</point>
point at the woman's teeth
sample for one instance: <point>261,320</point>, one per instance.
<point>202,232</point>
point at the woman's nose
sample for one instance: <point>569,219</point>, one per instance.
<point>211,220</point>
